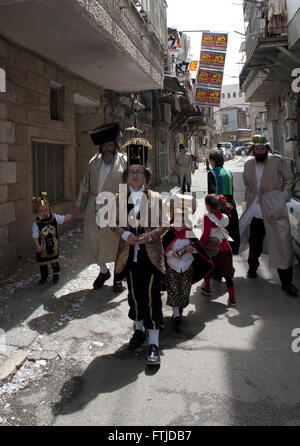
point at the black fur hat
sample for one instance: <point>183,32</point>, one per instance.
<point>106,133</point>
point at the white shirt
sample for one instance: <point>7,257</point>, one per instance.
<point>35,229</point>
<point>183,264</point>
<point>136,197</point>
<point>259,168</point>
<point>104,171</point>
<point>254,210</point>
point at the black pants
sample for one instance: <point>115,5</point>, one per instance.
<point>256,240</point>
<point>234,231</point>
<point>144,297</point>
<point>44,269</point>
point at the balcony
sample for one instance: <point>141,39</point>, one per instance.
<point>107,42</point>
<point>261,40</point>
<point>266,69</point>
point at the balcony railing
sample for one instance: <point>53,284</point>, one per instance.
<point>259,32</point>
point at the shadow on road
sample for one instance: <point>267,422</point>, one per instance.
<point>72,306</point>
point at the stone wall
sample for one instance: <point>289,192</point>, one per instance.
<point>24,118</point>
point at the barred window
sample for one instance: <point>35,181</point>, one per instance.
<point>48,170</point>
<point>57,100</point>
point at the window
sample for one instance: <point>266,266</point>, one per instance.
<point>225,119</point>
<point>223,95</point>
<point>228,95</point>
<point>234,94</point>
<point>57,100</point>
<point>48,170</point>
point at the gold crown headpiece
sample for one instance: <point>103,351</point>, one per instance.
<point>40,199</point>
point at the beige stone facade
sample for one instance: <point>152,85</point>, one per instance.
<point>25,118</point>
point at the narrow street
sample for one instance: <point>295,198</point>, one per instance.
<point>228,366</point>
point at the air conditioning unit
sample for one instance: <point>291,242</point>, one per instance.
<point>232,138</point>
<point>290,131</point>
<point>290,110</point>
<point>165,114</point>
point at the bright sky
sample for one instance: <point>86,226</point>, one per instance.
<point>212,15</point>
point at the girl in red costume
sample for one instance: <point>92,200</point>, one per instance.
<point>215,241</point>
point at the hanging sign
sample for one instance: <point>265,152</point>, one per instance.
<point>209,78</point>
<point>214,41</point>
<point>205,96</point>
<point>210,59</point>
<point>194,65</point>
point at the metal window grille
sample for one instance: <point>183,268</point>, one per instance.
<point>48,170</point>
<point>57,95</point>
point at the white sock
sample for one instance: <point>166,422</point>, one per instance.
<point>139,325</point>
<point>176,312</point>
<point>103,268</point>
<point>153,337</point>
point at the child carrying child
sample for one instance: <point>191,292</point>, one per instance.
<point>44,234</point>
<point>215,241</point>
<point>186,263</point>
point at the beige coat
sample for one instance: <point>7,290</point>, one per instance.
<point>274,191</point>
<point>100,246</point>
<point>185,167</point>
<point>154,247</point>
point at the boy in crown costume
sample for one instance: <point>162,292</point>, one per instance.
<point>140,254</point>
<point>45,236</point>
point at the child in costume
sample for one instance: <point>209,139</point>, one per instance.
<point>215,241</point>
<point>186,263</point>
<point>44,234</point>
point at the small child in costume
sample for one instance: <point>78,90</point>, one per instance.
<point>44,234</point>
<point>186,263</point>
<point>215,241</point>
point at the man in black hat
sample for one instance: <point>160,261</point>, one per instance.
<point>185,167</point>
<point>104,174</point>
<point>140,255</point>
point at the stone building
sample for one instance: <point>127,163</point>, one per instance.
<point>271,68</point>
<point>68,66</point>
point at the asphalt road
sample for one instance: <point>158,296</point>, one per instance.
<point>228,366</point>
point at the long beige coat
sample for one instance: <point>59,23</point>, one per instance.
<point>100,246</point>
<point>184,168</point>
<point>274,191</point>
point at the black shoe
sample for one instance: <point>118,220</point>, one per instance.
<point>216,277</point>
<point>118,287</point>
<point>138,338</point>
<point>153,357</point>
<point>43,281</point>
<point>290,289</point>
<point>55,278</point>
<point>205,291</point>
<point>251,273</point>
<point>176,322</point>
<point>101,279</point>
